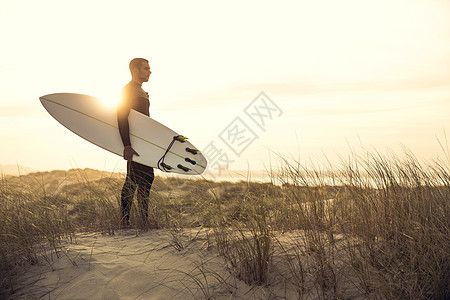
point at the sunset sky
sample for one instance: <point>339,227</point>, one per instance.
<point>343,74</point>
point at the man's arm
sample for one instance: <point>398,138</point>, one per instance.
<point>123,111</point>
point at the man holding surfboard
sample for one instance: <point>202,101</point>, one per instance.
<point>158,146</point>
<point>139,176</point>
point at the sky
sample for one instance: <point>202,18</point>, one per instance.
<point>301,79</point>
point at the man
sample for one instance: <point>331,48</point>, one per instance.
<point>139,177</point>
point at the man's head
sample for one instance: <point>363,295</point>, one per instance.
<point>140,70</point>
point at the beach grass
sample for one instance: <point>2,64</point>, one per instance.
<point>375,226</point>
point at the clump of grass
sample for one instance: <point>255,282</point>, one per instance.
<point>393,214</point>
<point>39,210</point>
<point>30,220</point>
<point>94,205</point>
<point>376,224</point>
<point>399,213</point>
<point>246,244</point>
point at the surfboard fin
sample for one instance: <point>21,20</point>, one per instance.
<point>166,167</point>
<point>180,138</point>
<point>190,160</point>
<point>183,168</point>
<point>193,151</point>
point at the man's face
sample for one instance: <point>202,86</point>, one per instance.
<point>144,72</point>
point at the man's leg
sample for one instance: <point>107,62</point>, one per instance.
<point>127,196</point>
<point>145,177</point>
<point>143,197</point>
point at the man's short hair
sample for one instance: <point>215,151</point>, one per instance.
<point>136,62</point>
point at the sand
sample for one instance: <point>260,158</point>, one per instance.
<point>133,265</point>
<point>155,264</point>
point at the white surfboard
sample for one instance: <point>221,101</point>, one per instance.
<point>157,145</point>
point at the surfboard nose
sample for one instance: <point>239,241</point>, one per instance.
<point>44,97</point>
<point>52,96</point>
<point>55,97</point>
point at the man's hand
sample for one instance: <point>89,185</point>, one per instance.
<point>128,153</point>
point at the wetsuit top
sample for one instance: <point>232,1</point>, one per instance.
<point>133,97</point>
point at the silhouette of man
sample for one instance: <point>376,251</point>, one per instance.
<point>139,177</point>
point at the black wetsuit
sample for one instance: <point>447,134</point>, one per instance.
<point>138,176</point>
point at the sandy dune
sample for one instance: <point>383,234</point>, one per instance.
<point>132,265</point>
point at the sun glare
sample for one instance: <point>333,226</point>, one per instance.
<point>110,100</point>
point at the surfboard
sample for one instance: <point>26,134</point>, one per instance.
<point>158,146</point>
